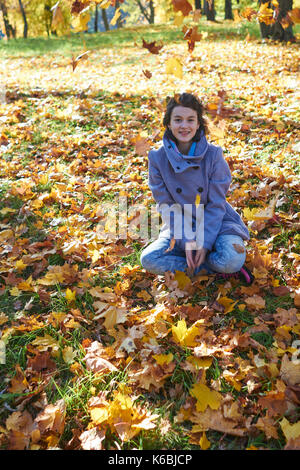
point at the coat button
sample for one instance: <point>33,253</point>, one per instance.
<point>200,189</point>
<point>178,190</point>
<point>188,162</point>
<point>178,167</point>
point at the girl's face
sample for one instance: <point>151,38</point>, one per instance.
<point>184,124</point>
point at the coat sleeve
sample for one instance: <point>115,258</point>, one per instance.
<point>171,212</point>
<point>214,211</point>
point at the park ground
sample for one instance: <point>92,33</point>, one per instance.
<point>96,352</point>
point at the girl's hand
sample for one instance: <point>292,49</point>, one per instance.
<point>194,260</point>
<point>200,257</point>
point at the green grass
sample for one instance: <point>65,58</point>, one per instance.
<point>65,46</point>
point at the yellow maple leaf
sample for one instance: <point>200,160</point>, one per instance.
<point>116,17</point>
<point>291,431</point>
<point>15,292</point>
<point>183,335</point>
<point>200,362</point>
<point>162,359</point>
<point>174,67</point>
<point>182,279</point>
<point>249,214</point>
<point>70,295</point>
<point>178,19</point>
<point>198,200</point>
<point>26,285</point>
<point>227,303</point>
<point>144,295</point>
<point>205,397</point>
<point>99,415</point>
<point>68,354</point>
<point>7,210</point>
<point>204,442</point>
<point>20,266</point>
<point>42,343</point>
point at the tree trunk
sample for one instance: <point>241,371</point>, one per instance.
<point>152,12</point>
<point>276,31</point>
<point>105,20</point>
<point>96,19</point>
<point>25,31</point>
<point>9,30</point>
<point>149,15</point>
<point>197,4</point>
<point>209,10</point>
<point>228,10</point>
<point>48,17</point>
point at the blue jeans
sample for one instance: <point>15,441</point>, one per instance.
<point>223,258</point>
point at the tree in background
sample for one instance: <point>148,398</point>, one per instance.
<point>209,10</point>
<point>10,31</point>
<point>23,13</point>
<point>280,27</point>
<point>147,10</point>
<point>228,10</point>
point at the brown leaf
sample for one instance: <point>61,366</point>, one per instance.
<point>147,73</point>
<point>238,248</point>
<point>41,362</point>
<point>281,290</point>
<point>289,371</point>
<point>286,317</point>
<point>92,439</point>
<point>255,302</point>
<point>183,6</point>
<point>267,425</point>
<point>152,47</point>
<point>52,418</point>
<point>275,402</point>
<point>95,361</point>
<point>214,419</point>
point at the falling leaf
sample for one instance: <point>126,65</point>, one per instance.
<point>152,47</point>
<point>147,73</point>
<point>79,58</point>
<point>183,6</point>
<point>174,67</point>
<point>116,16</point>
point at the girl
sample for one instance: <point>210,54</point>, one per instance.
<point>189,179</point>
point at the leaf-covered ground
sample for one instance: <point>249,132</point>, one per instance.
<point>96,352</point>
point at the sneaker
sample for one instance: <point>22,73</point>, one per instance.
<point>244,275</point>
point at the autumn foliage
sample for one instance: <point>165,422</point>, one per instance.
<point>96,352</point>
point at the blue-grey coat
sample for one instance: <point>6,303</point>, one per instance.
<point>178,179</point>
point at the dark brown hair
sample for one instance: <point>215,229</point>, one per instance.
<point>188,101</point>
